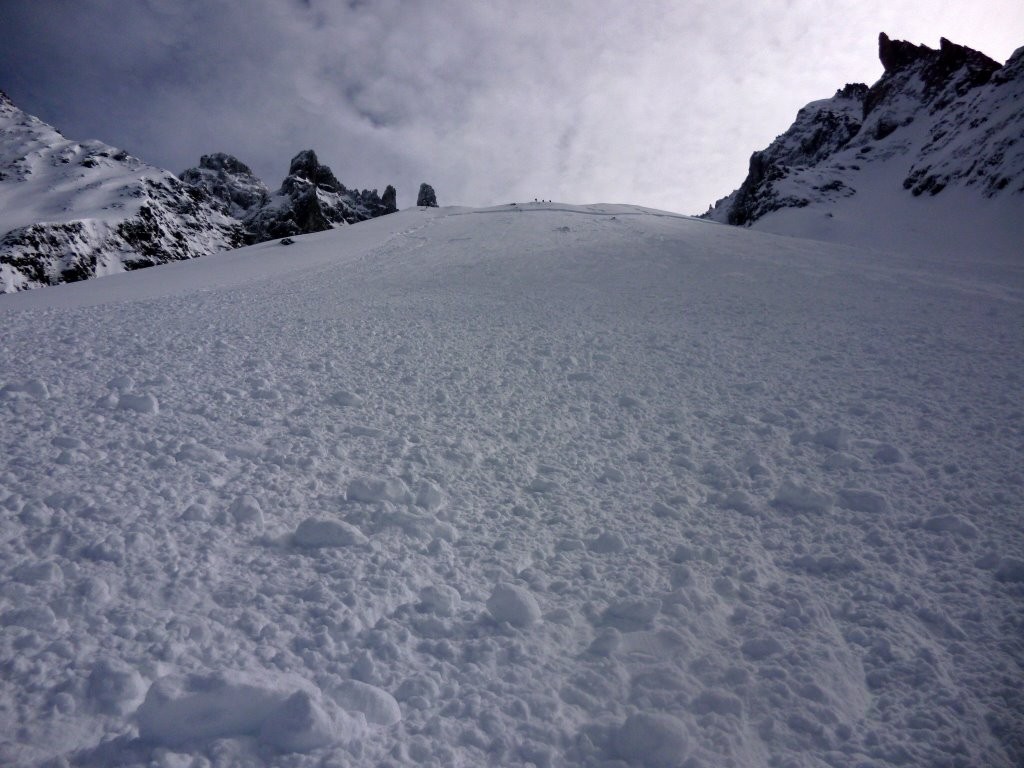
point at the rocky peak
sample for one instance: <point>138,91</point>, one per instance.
<point>1012,71</point>
<point>304,165</point>
<point>966,129</point>
<point>228,181</point>
<point>220,161</point>
<point>897,54</point>
<point>5,101</point>
<point>311,199</point>
<point>943,74</point>
<point>852,91</point>
<point>307,167</point>
<point>389,199</point>
<point>953,57</point>
<point>426,196</point>
<point>70,210</point>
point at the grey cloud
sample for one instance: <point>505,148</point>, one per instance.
<point>657,102</point>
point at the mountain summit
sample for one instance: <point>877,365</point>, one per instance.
<point>311,199</point>
<point>71,210</point>
<point>74,210</point>
<point>936,119</point>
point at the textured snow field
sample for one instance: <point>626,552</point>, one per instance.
<point>541,485</point>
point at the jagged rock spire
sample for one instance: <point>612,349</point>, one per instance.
<point>896,54</point>
<point>390,199</point>
<point>426,197</point>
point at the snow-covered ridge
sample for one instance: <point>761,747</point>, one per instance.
<point>71,210</point>
<point>937,119</point>
<point>531,486</point>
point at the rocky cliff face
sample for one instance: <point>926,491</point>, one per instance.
<point>230,182</point>
<point>72,210</point>
<point>310,199</point>
<point>935,118</point>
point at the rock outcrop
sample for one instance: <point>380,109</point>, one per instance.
<point>426,196</point>
<point>935,118</point>
<point>310,199</point>
<point>229,181</point>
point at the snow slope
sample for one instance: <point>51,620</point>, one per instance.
<point>547,485</point>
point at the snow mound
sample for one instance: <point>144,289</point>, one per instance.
<point>314,532</point>
<point>653,740</point>
<point>513,604</point>
<point>184,710</point>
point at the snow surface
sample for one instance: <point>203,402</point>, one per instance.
<point>871,209</point>
<point>534,485</point>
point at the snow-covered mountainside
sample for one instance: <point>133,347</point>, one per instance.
<point>74,210</point>
<point>71,210</point>
<point>310,200</point>
<point>944,122</point>
<point>529,486</point>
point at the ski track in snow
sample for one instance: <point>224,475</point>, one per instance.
<point>578,487</point>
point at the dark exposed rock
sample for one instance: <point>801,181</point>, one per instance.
<point>306,168</point>
<point>821,129</point>
<point>229,181</point>
<point>945,74</point>
<point>311,199</point>
<point>897,54</point>
<point>426,196</point>
<point>389,199</point>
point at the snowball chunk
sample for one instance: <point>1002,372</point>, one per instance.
<point>653,740</point>
<point>440,599</point>
<point>285,712</point>
<point>802,498</point>
<point>145,403</point>
<point>179,710</point>
<point>346,399</point>
<point>313,532</point>
<point>376,705</point>
<point>514,605</point>
<point>861,500</point>
<point>246,511</point>
<point>298,725</point>
<point>378,489</point>
<point>114,687</point>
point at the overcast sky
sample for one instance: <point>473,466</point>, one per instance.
<point>651,102</point>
